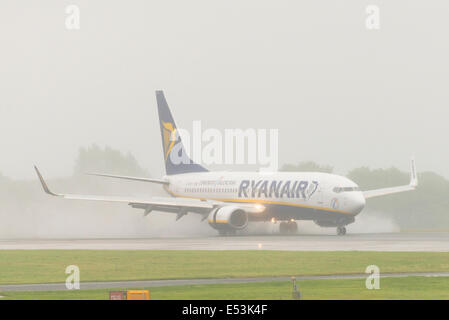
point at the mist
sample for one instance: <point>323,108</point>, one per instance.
<point>366,222</point>
<point>337,92</point>
<point>31,213</point>
<point>26,212</point>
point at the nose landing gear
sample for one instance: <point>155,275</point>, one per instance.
<point>341,231</point>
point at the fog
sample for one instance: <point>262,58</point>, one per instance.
<point>339,94</point>
<point>32,214</point>
<point>366,222</point>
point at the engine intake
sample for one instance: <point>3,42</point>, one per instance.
<point>228,217</point>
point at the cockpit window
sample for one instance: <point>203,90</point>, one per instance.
<point>345,189</point>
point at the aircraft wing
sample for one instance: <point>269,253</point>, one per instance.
<point>385,191</point>
<point>160,181</point>
<point>181,206</point>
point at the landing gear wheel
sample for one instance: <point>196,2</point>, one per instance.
<point>283,228</point>
<point>341,231</point>
<point>292,227</point>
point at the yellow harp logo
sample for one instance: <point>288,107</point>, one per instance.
<point>169,135</point>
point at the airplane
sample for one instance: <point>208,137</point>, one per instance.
<point>230,200</point>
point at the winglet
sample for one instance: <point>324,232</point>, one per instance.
<point>44,185</point>
<point>413,175</point>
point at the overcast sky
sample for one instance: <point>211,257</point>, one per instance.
<point>339,94</point>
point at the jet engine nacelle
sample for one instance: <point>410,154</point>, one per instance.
<point>228,217</point>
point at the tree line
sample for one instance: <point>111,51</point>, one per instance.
<point>425,208</point>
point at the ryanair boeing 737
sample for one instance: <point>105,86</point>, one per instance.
<point>230,200</point>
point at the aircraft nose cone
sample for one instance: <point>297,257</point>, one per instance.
<point>358,203</point>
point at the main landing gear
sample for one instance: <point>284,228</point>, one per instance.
<point>290,227</point>
<point>341,231</point>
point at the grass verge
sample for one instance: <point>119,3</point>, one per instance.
<point>390,288</point>
<point>48,266</point>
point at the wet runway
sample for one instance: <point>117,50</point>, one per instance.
<point>432,241</point>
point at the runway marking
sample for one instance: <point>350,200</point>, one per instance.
<point>393,242</point>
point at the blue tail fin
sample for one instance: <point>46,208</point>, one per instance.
<point>176,159</point>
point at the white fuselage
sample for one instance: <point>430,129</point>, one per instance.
<point>286,195</point>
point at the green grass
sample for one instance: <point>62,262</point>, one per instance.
<point>41,266</point>
<point>390,288</point>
